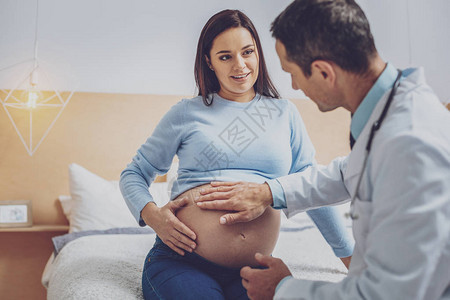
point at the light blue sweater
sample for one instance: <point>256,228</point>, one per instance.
<point>227,141</point>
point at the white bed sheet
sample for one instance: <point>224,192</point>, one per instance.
<point>110,266</point>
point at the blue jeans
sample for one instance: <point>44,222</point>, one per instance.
<point>168,275</point>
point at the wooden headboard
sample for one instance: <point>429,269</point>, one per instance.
<point>102,132</point>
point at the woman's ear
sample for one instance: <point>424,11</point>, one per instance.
<point>209,63</point>
<point>324,70</point>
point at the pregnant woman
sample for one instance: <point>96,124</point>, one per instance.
<point>236,129</point>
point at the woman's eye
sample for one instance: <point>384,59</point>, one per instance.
<point>249,51</point>
<point>224,57</point>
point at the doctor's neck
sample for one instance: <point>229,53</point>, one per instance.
<point>358,85</point>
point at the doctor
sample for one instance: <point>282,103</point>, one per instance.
<point>397,175</point>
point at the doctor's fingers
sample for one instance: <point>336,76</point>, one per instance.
<point>246,273</point>
<point>256,288</point>
<point>266,260</point>
<point>224,183</point>
<point>213,196</point>
<point>238,217</point>
<point>245,283</point>
<point>216,189</point>
<point>217,204</point>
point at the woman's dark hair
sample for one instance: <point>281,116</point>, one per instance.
<point>205,78</point>
<point>333,30</point>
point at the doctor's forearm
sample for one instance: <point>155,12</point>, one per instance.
<point>315,187</point>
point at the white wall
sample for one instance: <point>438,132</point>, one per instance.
<point>143,46</point>
<point>120,46</point>
<point>414,33</point>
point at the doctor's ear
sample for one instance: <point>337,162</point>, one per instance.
<point>324,70</point>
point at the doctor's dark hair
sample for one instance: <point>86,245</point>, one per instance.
<point>330,30</point>
<point>205,78</point>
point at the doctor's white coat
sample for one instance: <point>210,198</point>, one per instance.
<point>402,232</point>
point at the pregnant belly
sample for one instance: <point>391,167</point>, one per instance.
<point>230,245</point>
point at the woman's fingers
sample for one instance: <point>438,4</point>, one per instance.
<point>178,242</point>
<point>181,241</point>
<point>183,238</point>
<point>174,248</point>
<point>186,231</point>
<point>177,224</point>
<point>179,203</point>
<point>172,231</point>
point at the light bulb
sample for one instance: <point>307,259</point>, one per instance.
<point>33,96</point>
<point>33,93</point>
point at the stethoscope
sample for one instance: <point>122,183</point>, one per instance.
<point>375,126</point>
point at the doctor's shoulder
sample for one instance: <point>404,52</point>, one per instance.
<point>417,112</point>
<point>412,151</point>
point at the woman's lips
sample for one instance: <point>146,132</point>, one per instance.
<point>241,77</point>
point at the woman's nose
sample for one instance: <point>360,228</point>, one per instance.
<point>240,63</point>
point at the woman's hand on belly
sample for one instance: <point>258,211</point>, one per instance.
<point>168,227</point>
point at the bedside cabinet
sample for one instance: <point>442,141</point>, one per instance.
<point>23,254</point>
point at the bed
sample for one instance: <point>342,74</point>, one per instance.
<point>103,254</point>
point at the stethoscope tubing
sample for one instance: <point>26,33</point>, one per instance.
<point>375,126</point>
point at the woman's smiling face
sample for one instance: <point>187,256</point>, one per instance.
<point>235,61</point>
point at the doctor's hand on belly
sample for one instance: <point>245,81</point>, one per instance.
<point>168,227</point>
<point>247,200</point>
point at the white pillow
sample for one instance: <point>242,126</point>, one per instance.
<point>97,204</point>
<point>66,204</point>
